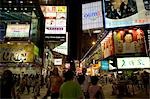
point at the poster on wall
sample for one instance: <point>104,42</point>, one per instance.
<point>129,41</point>
<point>133,62</point>
<point>55,19</point>
<point>17,30</point>
<point>92,16</point>
<point>121,13</point>
<point>107,46</point>
<point>16,52</point>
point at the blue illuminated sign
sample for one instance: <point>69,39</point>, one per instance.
<point>104,65</point>
<point>91,14</point>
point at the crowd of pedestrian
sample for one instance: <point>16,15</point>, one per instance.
<point>70,85</point>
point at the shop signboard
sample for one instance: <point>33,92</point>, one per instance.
<point>63,48</point>
<point>133,62</point>
<point>107,46</point>
<point>104,65</point>
<point>92,16</point>
<point>34,27</point>
<point>57,62</point>
<point>16,53</point>
<point>55,19</point>
<point>129,41</point>
<point>17,30</point>
<point>121,13</point>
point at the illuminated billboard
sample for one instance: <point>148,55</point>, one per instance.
<point>133,62</point>
<point>107,46</point>
<point>55,19</point>
<point>22,52</point>
<point>92,15</point>
<point>121,13</point>
<point>104,65</point>
<point>129,41</point>
<point>17,30</point>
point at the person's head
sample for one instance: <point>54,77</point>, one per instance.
<point>128,37</point>
<point>55,71</point>
<point>69,75</point>
<point>7,74</point>
<point>94,80</point>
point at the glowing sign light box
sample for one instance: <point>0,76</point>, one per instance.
<point>92,15</point>
<point>133,62</point>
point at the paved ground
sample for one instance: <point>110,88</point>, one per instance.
<point>139,94</point>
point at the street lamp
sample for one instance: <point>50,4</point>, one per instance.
<point>93,43</point>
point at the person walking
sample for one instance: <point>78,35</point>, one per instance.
<point>7,86</point>
<point>95,91</point>
<point>70,89</point>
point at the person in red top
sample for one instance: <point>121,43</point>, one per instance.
<point>55,82</point>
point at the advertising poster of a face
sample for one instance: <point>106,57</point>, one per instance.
<point>120,13</point>
<point>129,41</point>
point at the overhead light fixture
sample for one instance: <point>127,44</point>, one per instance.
<point>15,8</point>
<point>8,42</point>
<point>21,1</point>
<point>21,8</point>
<point>34,8</point>
<point>9,1</point>
<point>25,8</point>
<point>96,31</point>
<point>30,2</point>
<point>5,8</point>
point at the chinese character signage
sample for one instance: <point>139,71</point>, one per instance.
<point>16,52</point>
<point>92,15</point>
<point>129,41</point>
<point>133,62</point>
<point>55,19</point>
<point>121,13</point>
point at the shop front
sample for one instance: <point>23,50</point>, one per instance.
<point>18,57</point>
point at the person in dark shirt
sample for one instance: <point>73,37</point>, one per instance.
<point>7,85</point>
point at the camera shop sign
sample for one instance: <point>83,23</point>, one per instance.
<point>16,53</point>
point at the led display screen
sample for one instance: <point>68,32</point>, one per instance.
<point>120,13</point>
<point>133,62</point>
<point>17,30</point>
<point>129,41</point>
<point>55,19</point>
<point>92,15</point>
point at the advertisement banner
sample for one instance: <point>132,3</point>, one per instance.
<point>17,30</point>
<point>55,19</point>
<point>121,13</point>
<point>107,46</point>
<point>133,62</point>
<point>92,16</point>
<point>129,41</point>
<point>16,52</point>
